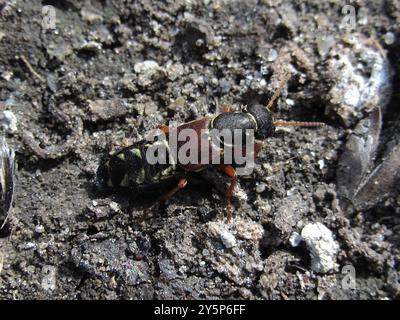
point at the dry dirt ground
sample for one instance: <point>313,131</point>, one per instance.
<point>115,69</point>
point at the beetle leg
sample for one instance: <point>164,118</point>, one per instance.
<point>118,145</point>
<point>163,128</point>
<point>228,109</point>
<point>231,172</point>
<point>181,184</point>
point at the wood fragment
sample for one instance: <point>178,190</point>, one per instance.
<point>30,68</point>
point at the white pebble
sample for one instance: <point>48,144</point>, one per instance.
<point>28,246</point>
<point>182,269</point>
<point>39,228</point>
<point>290,102</point>
<point>321,164</point>
<point>8,121</point>
<point>49,278</point>
<point>272,55</point>
<point>323,248</point>
<point>295,239</point>
<point>260,188</point>
<point>389,38</point>
<point>228,239</point>
<point>114,206</point>
<point>148,66</point>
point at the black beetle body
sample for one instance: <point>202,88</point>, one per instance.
<point>128,168</point>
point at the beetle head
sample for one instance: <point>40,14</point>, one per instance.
<point>263,118</point>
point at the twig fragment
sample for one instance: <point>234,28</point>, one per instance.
<point>30,68</point>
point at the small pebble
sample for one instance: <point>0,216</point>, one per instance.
<point>150,108</point>
<point>272,55</point>
<point>324,44</point>
<point>389,38</point>
<point>265,209</point>
<point>289,102</point>
<point>295,239</point>
<point>320,193</point>
<point>49,278</point>
<point>8,121</point>
<point>91,46</point>
<point>39,228</point>
<point>7,75</point>
<point>182,269</point>
<point>28,246</point>
<point>90,17</point>
<point>321,164</point>
<point>114,206</point>
<point>148,66</point>
<point>260,188</point>
<point>228,239</point>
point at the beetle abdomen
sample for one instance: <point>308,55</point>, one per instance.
<point>129,168</point>
<point>126,168</point>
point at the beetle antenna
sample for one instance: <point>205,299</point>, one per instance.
<point>281,123</point>
<point>276,94</point>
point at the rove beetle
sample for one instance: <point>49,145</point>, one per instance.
<point>129,168</point>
